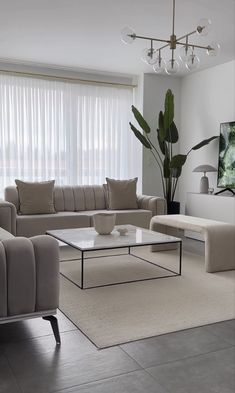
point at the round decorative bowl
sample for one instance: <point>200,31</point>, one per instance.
<point>104,223</point>
<point>122,231</point>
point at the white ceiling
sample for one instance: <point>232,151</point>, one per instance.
<point>86,33</point>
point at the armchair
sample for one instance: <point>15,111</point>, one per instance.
<point>29,279</point>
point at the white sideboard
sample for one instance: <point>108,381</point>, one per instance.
<point>214,207</point>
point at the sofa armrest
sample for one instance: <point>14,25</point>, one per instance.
<point>29,275</point>
<point>8,216</point>
<point>156,205</point>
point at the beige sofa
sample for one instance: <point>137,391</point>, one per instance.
<point>29,279</point>
<point>75,207</point>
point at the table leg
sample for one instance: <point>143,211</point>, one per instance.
<point>82,266</point>
<point>180,266</point>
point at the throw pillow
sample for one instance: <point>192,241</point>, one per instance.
<point>5,235</point>
<point>37,197</point>
<point>122,194</point>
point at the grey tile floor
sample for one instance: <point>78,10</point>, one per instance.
<point>199,360</point>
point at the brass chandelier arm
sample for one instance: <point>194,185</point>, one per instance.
<point>195,46</point>
<point>148,38</point>
<point>186,35</point>
<point>168,42</point>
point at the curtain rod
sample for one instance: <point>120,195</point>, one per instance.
<point>65,79</point>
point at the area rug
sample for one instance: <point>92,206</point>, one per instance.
<point>118,314</point>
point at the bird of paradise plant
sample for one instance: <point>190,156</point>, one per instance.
<point>161,145</point>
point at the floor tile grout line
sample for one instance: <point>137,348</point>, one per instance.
<point>145,370</point>
<point>13,373</point>
<point>175,361</point>
<point>131,357</point>
<point>188,357</point>
<point>155,379</point>
<point>97,380</point>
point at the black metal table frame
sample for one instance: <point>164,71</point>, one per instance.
<point>82,259</point>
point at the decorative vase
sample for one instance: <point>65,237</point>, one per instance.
<point>173,207</point>
<point>104,223</point>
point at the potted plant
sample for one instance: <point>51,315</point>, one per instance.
<point>166,136</point>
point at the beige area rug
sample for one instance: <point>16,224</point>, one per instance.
<point>122,313</point>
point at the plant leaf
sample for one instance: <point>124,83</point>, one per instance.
<point>140,136</point>
<point>172,134</point>
<point>166,167</point>
<point>162,145</point>
<point>176,172</point>
<point>204,143</point>
<point>142,123</point>
<point>178,161</point>
<point>169,109</point>
<point>162,132</point>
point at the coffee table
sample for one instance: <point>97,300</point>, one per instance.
<point>88,240</point>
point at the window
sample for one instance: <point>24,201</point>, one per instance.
<point>73,133</point>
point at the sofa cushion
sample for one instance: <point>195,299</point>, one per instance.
<point>122,194</point>
<point>36,197</point>
<point>79,198</point>
<point>38,224</point>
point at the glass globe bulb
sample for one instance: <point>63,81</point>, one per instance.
<point>203,27</point>
<point>128,35</point>
<point>213,49</point>
<point>192,62</point>
<point>172,67</point>
<point>160,65</point>
<point>184,53</point>
<point>149,56</point>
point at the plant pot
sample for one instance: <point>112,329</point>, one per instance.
<point>173,207</point>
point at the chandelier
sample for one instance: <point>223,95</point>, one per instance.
<point>187,52</point>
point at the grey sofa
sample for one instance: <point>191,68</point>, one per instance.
<point>75,207</point>
<point>29,279</point>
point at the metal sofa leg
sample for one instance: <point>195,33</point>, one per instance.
<point>54,324</point>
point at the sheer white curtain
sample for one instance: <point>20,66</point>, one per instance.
<point>73,133</point>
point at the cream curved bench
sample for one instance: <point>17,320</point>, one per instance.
<point>219,238</point>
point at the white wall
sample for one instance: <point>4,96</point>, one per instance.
<point>138,103</point>
<point>155,88</point>
<point>207,99</point>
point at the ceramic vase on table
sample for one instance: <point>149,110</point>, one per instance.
<point>104,223</point>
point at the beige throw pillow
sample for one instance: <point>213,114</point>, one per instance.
<point>122,194</point>
<point>5,235</point>
<point>37,197</point>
